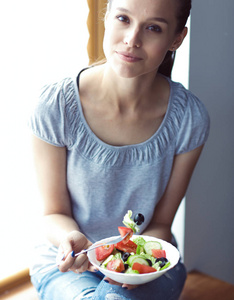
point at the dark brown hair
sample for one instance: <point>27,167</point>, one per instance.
<point>183,12</point>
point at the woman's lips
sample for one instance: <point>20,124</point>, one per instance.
<point>128,57</point>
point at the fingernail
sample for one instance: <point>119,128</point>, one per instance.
<point>106,280</point>
<point>73,254</point>
<point>61,257</point>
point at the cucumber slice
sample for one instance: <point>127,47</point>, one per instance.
<point>137,258</point>
<point>131,258</point>
<point>166,266</point>
<point>151,245</point>
<point>139,249</point>
<point>131,271</point>
<point>105,262</point>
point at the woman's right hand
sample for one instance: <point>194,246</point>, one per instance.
<point>74,241</point>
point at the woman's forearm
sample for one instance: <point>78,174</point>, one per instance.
<point>160,231</point>
<point>57,226</point>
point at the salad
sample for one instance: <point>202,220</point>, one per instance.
<point>135,256</point>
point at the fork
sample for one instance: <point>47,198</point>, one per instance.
<point>110,242</point>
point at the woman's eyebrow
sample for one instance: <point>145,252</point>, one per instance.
<point>162,20</point>
<point>158,19</point>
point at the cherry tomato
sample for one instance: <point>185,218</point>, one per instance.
<point>115,265</point>
<point>130,246</point>
<point>157,253</point>
<point>123,231</point>
<point>103,252</point>
<point>142,269</point>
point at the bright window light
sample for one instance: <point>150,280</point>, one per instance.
<point>41,42</point>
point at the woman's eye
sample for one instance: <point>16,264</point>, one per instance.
<point>155,28</point>
<point>123,19</point>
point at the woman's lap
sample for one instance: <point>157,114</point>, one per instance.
<point>61,286</point>
<point>57,285</point>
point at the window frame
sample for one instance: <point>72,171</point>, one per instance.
<point>95,23</point>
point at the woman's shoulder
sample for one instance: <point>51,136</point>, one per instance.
<point>88,81</point>
<point>54,113</point>
<point>194,120</point>
<point>191,102</point>
<point>55,90</point>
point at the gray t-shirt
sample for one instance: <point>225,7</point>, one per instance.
<point>105,181</point>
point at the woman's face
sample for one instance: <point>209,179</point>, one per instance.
<point>138,35</point>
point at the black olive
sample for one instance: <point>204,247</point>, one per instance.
<point>139,219</point>
<point>125,256</point>
<point>162,259</point>
<point>150,262</point>
<point>162,264</point>
<point>125,267</point>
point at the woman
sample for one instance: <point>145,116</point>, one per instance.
<point>122,136</point>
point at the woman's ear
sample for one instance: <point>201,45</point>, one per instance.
<point>179,39</point>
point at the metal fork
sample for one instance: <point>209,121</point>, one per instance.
<point>110,242</point>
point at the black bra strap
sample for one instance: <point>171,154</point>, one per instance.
<point>78,77</point>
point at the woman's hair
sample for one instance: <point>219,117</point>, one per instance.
<point>183,12</point>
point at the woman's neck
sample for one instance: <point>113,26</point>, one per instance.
<point>128,92</point>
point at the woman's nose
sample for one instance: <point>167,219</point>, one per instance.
<point>132,38</point>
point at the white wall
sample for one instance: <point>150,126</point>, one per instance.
<point>209,226</point>
<point>180,73</point>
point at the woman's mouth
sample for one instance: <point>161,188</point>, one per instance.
<point>128,57</point>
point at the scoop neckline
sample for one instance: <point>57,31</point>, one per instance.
<point>98,140</point>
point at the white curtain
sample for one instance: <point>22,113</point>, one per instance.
<point>41,42</point>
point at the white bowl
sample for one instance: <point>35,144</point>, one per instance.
<point>171,252</point>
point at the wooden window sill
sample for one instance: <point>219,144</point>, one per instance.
<point>18,286</point>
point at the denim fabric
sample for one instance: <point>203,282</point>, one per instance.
<point>55,285</point>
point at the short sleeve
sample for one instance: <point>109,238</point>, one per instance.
<point>48,118</point>
<point>194,128</point>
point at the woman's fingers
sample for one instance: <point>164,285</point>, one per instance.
<point>74,242</point>
<point>80,264</point>
<point>124,286</point>
<point>109,280</point>
<point>67,262</point>
<point>129,286</point>
<point>76,264</point>
<point>91,268</point>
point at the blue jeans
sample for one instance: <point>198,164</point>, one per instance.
<point>55,285</point>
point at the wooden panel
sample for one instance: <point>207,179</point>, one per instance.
<point>25,291</point>
<point>14,280</point>
<point>95,23</point>
<point>199,286</point>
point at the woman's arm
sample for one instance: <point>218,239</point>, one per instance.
<point>60,228</point>
<point>50,165</point>
<point>183,167</point>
